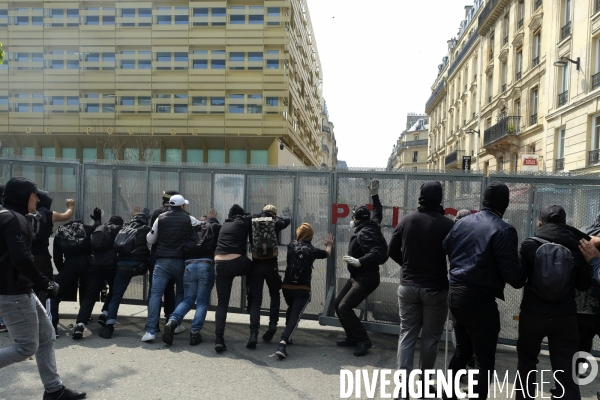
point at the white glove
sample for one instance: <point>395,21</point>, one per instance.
<point>373,187</point>
<point>351,261</point>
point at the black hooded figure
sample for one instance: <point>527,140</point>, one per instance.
<point>416,245</point>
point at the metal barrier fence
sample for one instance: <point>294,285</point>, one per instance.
<point>320,197</point>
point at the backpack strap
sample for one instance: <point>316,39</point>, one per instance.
<point>539,240</point>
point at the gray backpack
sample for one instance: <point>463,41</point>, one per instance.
<point>552,270</point>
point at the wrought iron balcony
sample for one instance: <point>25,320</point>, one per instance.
<point>453,157</point>
<point>533,119</point>
<point>596,79</point>
<point>538,3</point>
<point>536,60</point>
<point>594,157</point>
<point>505,127</point>
<point>518,76</point>
<point>413,143</point>
<point>560,164</point>
<point>565,31</point>
<point>563,98</point>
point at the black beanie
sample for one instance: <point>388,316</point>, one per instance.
<point>496,197</point>
<point>116,220</point>
<point>236,209</point>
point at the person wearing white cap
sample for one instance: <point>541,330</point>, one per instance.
<point>169,232</point>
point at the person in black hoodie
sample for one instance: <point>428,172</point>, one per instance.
<point>198,281</point>
<point>265,270</point>
<point>231,260</point>
<point>366,251</point>
<point>416,245</point>
<point>555,320</point>
<point>102,268</point>
<point>128,266</point>
<point>483,254</point>
<point>23,313</point>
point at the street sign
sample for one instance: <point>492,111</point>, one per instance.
<point>530,162</point>
<point>466,163</point>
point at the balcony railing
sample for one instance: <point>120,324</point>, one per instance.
<point>563,98</point>
<point>536,60</point>
<point>596,79</point>
<point>463,53</point>
<point>520,23</point>
<point>594,157</point>
<point>533,119</point>
<point>506,126</point>
<point>565,31</point>
<point>538,3</point>
<point>435,94</point>
<point>487,10</point>
<point>560,164</point>
<point>452,158</point>
<point>413,143</point>
<point>518,75</point>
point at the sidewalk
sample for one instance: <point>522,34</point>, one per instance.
<point>126,368</point>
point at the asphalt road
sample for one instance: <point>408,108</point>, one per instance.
<point>126,368</point>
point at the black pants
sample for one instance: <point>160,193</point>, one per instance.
<point>44,265</point>
<point>588,326</point>
<point>477,325</point>
<point>297,300</point>
<point>261,271</point>
<point>96,278</point>
<point>168,296</point>
<point>225,272</point>
<point>563,340</point>
<point>353,293</point>
<point>68,278</point>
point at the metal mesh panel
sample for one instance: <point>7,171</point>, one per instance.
<point>161,181</point>
<point>196,187</point>
<point>130,193</point>
<point>135,290</point>
<point>97,191</point>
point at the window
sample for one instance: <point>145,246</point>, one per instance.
<point>272,59</point>
<point>519,64</point>
<point>236,60</point>
<point>534,106</point>
<point>217,59</point>
<point>180,103</point>
<point>536,48</point>
<point>162,18</point>
<point>3,17</point>
<point>273,16</point>
<point>560,144</point>
<point>500,166</point>
<point>238,156</point>
<point>491,46</point>
<point>164,61</point>
<point>127,16</point>
<point>255,60</point>
<point>199,105</point>
<point>504,76</point>
<point>217,105</point>
<point>4,106</point>
<point>181,61</point>
<point>89,153</point>
<point>194,155</point>
<point>518,108</point>
<point>254,104</point>
<point>563,94</point>
<point>219,15</point>
<point>506,26</point>
<point>415,156</point>
<point>237,15</point>
<point>490,87</point>
<point>200,59</point>
<point>216,156</point>
<point>272,105</point>
<point>57,64</point>
<point>259,157</point>
<point>173,155</point>
<point>256,15</point>
<point>596,133</point>
<point>181,16</point>
<point>236,103</point>
<point>596,76</point>
<point>72,17</point>
<point>200,16</point>
<point>521,14</point>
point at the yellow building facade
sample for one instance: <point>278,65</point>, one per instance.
<point>511,87</point>
<point>410,150</point>
<point>236,81</point>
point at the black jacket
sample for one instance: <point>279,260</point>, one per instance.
<point>216,227</point>
<point>59,256</point>
<point>306,276</point>
<point>588,301</point>
<point>108,257</point>
<point>173,230</point>
<point>140,252</point>
<point>235,234</point>
<point>42,232</point>
<point>18,274</point>
<point>569,237</point>
<point>416,245</point>
<point>365,244</point>
<point>483,253</point>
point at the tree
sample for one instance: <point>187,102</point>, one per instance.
<point>1,54</point>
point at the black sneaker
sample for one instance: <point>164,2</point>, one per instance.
<point>195,338</point>
<point>362,348</point>
<point>347,342</point>
<point>268,335</point>
<point>64,394</point>
<point>281,352</point>
<point>167,335</point>
<point>102,320</point>
<point>107,331</point>
<point>220,345</point>
<point>78,332</point>
<point>252,341</point>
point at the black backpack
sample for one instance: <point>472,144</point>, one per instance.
<point>552,270</point>
<point>300,263</point>
<point>125,241</point>
<point>72,238</point>
<point>382,243</point>
<point>102,238</point>
<point>201,239</point>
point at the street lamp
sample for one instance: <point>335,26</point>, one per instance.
<point>472,131</point>
<point>562,62</point>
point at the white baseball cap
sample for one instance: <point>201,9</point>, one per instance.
<point>178,200</point>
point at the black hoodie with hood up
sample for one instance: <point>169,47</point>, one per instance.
<point>43,227</point>
<point>18,274</point>
<point>416,244</point>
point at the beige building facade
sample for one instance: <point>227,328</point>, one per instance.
<point>410,150</point>
<point>328,142</point>
<point>509,90</point>
<point>230,81</point>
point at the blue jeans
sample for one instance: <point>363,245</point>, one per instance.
<point>125,272</point>
<point>198,281</point>
<point>166,269</point>
<point>33,334</point>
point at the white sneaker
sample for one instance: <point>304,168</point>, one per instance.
<point>179,329</point>
<point>148,337</point>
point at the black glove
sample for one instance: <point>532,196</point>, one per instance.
<point>97,215</point>
<point>52,289</point>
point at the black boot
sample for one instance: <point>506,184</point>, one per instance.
<point>195,338</point>
<point>107,331</point>
<point>347,342</point>
<point>220,345</point>
<point>170,327</point>
<point>102,320</point>
<point>252,341</point>
<point>270,332</point>
<point>362,348</point>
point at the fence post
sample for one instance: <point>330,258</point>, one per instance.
<point>330,281</point>
<point>115,191</point>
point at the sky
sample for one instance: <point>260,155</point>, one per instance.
<point>379,62</point>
